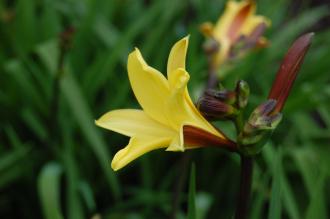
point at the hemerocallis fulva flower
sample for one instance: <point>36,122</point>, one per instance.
<point>238,22</point>
<point>168,118</point>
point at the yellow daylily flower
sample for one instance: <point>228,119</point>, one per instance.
<point>168,118</point>
<point>239,20</point>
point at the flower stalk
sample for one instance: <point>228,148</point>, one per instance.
<point>65,39</point>
<point>265,118</point>
<point>245,188</point>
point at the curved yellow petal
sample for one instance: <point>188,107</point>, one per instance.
<point>178,109</point>
<point>132,122</point>
<point>137,147</point>
<point>149,86</point>
<point>180,106</point>
<point>177,57</point>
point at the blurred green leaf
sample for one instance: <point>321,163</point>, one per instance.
<point>87,195</point>
<point>317,207</point>
<point>275,200</point>
<point>192,194</point>
<point>74,207</point>
<point>288,198</point>
<point>10,164</point>
<point>49,190</point>
<point>81,112</point>
<point>203,204</point>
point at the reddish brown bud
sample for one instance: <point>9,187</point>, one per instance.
<point>288,71</point>
<point>213,107</point>
<point>225,96</point>
<point>66,37</point>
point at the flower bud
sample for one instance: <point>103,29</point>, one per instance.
<point>243,92</point>
<point>224,95</point>
<point>213,105</point>
<point>289,70</point>
<point>259,128</point>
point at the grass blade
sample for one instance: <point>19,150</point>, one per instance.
<point>49,191</point>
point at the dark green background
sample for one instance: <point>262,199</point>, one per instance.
<point>55,163</point>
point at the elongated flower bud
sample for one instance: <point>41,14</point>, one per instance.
<point>289,69</point>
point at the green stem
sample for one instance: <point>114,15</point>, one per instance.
<point>55,99</point>
<point>242,210</point>
<point>64,43</point>
<point>243,200</point>
<point>239,122</point>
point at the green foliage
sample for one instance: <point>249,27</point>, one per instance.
<point>55,163</point>
<point>192,194</point>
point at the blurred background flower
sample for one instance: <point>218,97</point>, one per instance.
<point>55,163</point>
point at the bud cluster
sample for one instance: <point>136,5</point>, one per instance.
<point>259,127</point>
<point>224,104</point>
<point>230,104</point>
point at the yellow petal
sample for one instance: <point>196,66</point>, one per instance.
<point>252,23</point>
<point>181,107</point>
<point>225,21</point>
<point>132,122</point>
<point>136,147</point>
<point>222,55</point>
<point>177,143</point>
<point>149,86</point>
<point>177,57</point>
<point>178,109</point>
